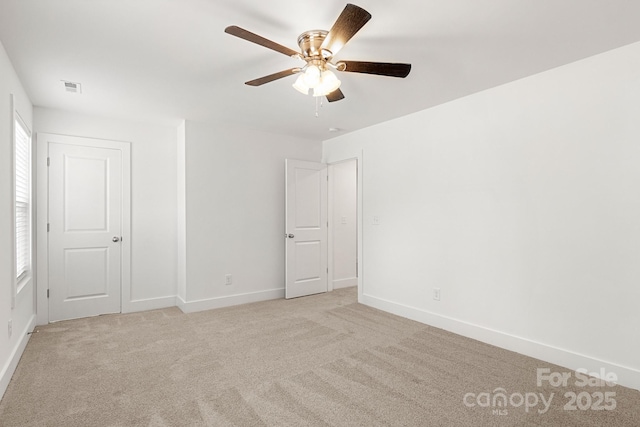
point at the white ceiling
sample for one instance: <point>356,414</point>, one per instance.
<point>166,60</point>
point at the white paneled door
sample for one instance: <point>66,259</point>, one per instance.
<point>305,228</point>
<point>85,230</point>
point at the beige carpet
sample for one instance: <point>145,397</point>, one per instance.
<point>323,360</point>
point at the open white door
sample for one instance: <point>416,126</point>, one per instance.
<point>305,228</point>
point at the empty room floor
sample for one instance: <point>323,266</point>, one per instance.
<point>323,360</point>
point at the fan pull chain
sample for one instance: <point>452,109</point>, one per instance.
<point>318,105</point>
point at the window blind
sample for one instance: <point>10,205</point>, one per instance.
<point>23,199</point>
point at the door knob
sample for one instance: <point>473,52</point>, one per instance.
<point>291,236</point>
<point>115,239</point>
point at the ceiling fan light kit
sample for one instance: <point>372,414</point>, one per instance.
<point>317,48</point>
<point>323,82</point>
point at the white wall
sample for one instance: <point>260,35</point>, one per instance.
<point>522,204</point>
<point>343,220</point>
<point>153,199</point>
<point>235,213</point>
<point>23,314</point>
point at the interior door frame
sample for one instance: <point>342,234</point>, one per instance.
<point>332,225</point>
<point>358,157</point>
<point>42,214</point>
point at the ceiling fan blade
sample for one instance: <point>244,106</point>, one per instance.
<point>336,95</point>
<point>380,68</point>
<point>348,23</point>
<point>272,77</point>
<point>254,38</point>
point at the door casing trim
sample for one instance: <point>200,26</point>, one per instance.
<point>358,156</point>
<point>42,213</point>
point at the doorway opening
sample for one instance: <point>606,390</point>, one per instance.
<point>322,227</point>
<point>343,224</point>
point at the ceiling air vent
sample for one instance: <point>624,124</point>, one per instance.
<point>72,87</point>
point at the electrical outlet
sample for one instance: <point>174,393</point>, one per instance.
<point>228,279</point>
<point>10,327</point>
<point>436,294</point>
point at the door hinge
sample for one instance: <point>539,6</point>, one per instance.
<point>48,161</point>
<point>48,227</point>
<point>47,293</point>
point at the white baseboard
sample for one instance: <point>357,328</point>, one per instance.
<point>10,367</point>
<point>627,377</point>
<point>345,283</point>
<point>149,304</point>
<point>227,301</point>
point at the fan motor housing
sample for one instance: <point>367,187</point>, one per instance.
<point>310,42</point>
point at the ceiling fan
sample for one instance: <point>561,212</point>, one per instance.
<point>317,49</point>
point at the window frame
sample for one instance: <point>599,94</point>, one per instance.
<point>19,126</point>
